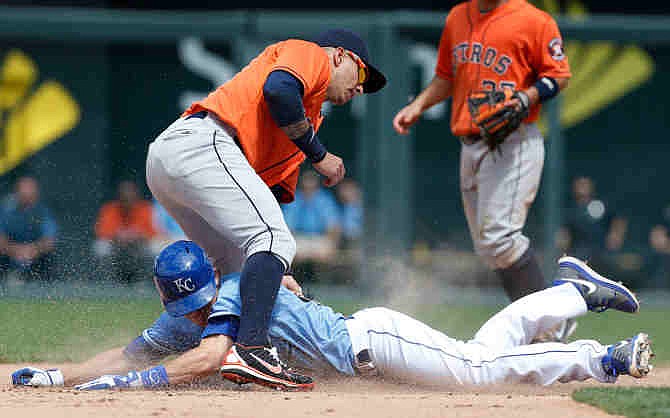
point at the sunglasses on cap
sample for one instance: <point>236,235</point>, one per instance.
<point>362,68</point>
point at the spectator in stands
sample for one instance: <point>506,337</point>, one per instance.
<point>124,230</point>
<point>592,231</point>
<point>314,220</point>
<point>27,233</point>
<point>351,212</point>
<point>167,229</point>
<point>658,265</point>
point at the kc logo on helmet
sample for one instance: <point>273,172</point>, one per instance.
<point>184,284</point>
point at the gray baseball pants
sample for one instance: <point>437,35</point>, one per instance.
<point>200,175</point>
<point>498,189</point>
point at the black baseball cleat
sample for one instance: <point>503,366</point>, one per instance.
<point>261,365</point>
<point>599,292</point>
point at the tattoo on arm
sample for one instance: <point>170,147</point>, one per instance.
<point>297,129</point>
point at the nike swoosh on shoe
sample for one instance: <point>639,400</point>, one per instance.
<point>591,286</point>
<point>273,369</point>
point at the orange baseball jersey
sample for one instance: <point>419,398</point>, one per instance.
<point>112,219</point>
<point>512,46</point>
<point>240,104</point>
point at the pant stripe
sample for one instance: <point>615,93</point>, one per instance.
<point>243,191</point>
<point>466,360</point>
<point>517,183</point>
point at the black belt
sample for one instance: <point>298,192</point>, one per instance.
<point>470,139</point>
<point>364,364</point>
<point>200,115</point>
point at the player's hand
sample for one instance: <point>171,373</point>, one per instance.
<point>520,101</point>
<point>32,376</point>
<point>111,381</point>
<point>405,118</point>
<point>332,167</point>
<point>291,284</point>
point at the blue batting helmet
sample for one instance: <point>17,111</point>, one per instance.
<point>184,278</point>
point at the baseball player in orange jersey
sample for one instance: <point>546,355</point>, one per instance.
<point>223,167</point>
<point>487,45</point>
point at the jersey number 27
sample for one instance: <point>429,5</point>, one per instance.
<point>491,85</point>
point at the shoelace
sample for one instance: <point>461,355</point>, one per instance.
<point>284,366</point>
<point>275,357</point>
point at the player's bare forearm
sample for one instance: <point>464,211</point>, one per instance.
<point>436,92</point>
<point>201,361</point>
<point>109,362</point>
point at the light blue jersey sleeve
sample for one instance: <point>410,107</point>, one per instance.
<point>307,334</point>
<point>228,301</point>
<point>166,336</point>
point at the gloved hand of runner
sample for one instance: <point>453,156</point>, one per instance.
<point>111,381</point>
<point>32,376</point>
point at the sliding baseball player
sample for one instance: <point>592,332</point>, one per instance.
<point>202,316</point>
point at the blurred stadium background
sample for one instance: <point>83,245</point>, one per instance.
<point>86,85</point>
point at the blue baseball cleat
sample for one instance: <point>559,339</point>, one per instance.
<point>599,293</point>
<point>629,357</point>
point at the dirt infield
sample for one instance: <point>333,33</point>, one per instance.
<point>345,398</point>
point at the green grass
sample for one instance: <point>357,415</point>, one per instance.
<point>651,402</point>
<point>69,330</point>
<point>73,329</point>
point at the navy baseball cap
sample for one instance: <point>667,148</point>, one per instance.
<point>351,41</point>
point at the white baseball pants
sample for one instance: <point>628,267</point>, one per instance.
<point>199,174</point>
<point>406,349</point>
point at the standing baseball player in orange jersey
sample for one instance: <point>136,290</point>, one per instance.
<point>498,45</point>
<point>224,166</point>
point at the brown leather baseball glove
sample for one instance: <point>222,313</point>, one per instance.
<point>496,114</point>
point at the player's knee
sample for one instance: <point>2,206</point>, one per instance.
<point>277,241</point>
<point>490,244</point>
<point>501,250</point>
